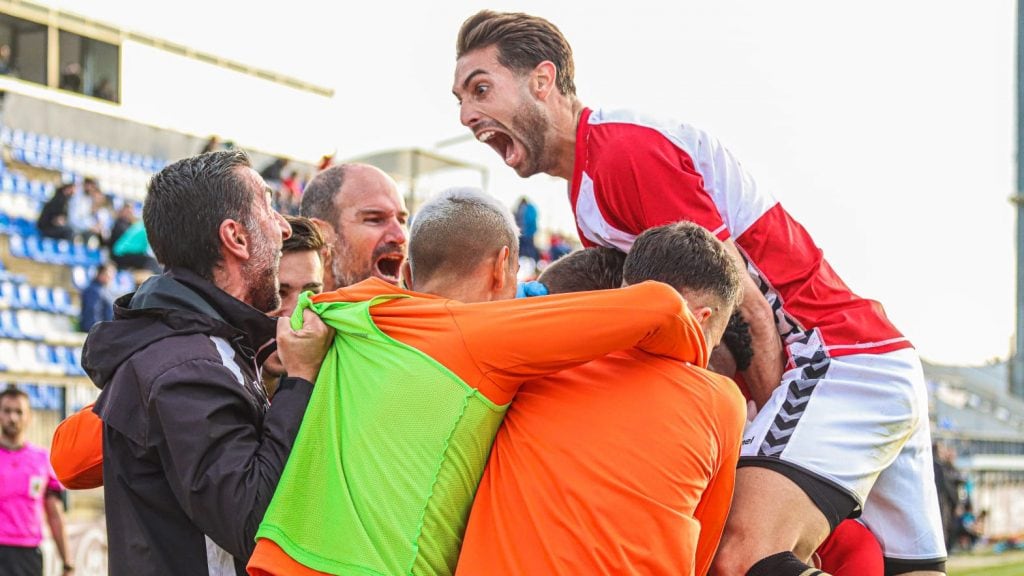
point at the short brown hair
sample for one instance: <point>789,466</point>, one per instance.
<point>597,268</point>
<point>523,41</point>
<point>305,235</point>
<point>686,257</point>
<point>12,391</point>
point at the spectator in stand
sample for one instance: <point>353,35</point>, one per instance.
<point>326,161</point>
<point>53,218</point>
<point>28,488</point>
<point>71,77</point>
<point>88,213</point>
<point>290,194</point>
<point>558,247</point>
<point>948,481</point>
<point>526,219</point>
<point>126,216</point>
<point>212,145</point>
<point>272,172</point>
<point>132,251</point>
<point>104,89</point>
<point>97,300</point>
<point>6,63</point>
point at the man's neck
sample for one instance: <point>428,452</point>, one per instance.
<point>563,145</point>
<point>229,279</point>
<point>12,443</point>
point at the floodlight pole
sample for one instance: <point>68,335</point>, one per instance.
<point>1017,362</point>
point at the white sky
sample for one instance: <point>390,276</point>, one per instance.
<point>886,128</point>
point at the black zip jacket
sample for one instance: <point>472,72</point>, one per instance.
<point>192,450</point>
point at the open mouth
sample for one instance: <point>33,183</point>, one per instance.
<point>389,266</point>
<point>501,142</point>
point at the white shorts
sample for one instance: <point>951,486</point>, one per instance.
<point>860,424</point>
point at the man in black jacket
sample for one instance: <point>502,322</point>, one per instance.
<point>192,449</point>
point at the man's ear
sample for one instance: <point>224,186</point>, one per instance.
<point>234,239</point>
<point>701,313</point>
<point>542,80</point>
<point>406,275</point>
<point>499,270</point>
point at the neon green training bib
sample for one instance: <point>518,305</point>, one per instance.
<point>388,457</point>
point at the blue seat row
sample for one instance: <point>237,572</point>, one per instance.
<point>23,296</point>
<point>52,251</point>
<point>36,147</point>
<point>37,358</point>
<point>17,184</point>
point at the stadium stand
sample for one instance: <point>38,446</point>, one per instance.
<point>40,277</point>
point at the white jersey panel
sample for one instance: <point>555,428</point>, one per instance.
<point>739,200</point>
<point>593,224</point>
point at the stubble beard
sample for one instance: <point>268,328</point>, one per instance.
<point>261,273</point>
<point>343,266</point>
<point>531,124</point>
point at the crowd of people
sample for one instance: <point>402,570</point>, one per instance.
<point>347,391</point>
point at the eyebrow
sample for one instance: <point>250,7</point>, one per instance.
<point>372,211</point>
<point>465,83</point>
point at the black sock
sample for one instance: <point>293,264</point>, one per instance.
<point>783,564</point>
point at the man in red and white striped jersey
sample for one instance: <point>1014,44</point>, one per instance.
<point>843,430</point>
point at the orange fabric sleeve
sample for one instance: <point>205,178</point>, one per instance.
<point>518,340</point>
<point>268,559</point>
<point>76,453</point>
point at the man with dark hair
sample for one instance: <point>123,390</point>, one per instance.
<point>192,450</point>
<point>301,270</point>
<point>53,217</point>
<point>843,432</point>
<point>624,465</point>
<point>362,217</point>
<point>398,445</point>
<point>27,488</point>
<point>77,451</point>
<point>597,268</point>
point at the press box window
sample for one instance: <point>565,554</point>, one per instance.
<point>22,49</point>
<point>89,67</point>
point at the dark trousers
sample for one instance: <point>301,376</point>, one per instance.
<point>19,561</point>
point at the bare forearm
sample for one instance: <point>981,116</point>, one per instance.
<point>55,519</point>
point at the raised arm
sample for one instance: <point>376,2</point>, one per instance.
<point>518,340</point>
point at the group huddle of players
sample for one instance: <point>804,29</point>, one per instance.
<point>456,429</point>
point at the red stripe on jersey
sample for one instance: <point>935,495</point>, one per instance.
<point>632,174</point>
<point>810,290</point>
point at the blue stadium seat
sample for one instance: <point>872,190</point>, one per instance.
<point>29,322</point>
<point>47,251</point>
<point>72,362</point>
<point>8,294</point>
<point>26,296</point>
<point>17,246</point>
<point>9,326</point>
<point>44,299</point>
<point>62,301</point>
<point>81,275</point>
